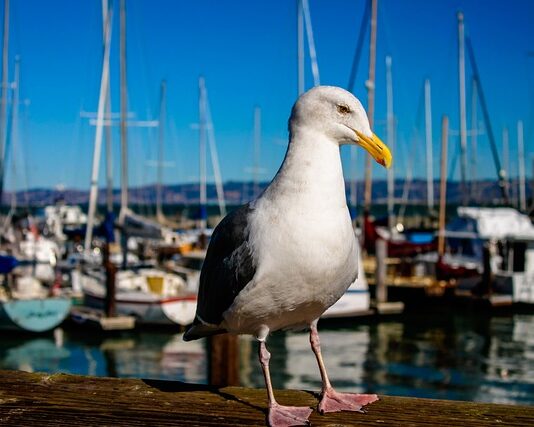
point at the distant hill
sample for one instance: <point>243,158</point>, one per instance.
<point>484,192</point>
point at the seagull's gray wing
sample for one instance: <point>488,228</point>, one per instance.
<point>227,269</point>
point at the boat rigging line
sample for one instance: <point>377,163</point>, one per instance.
<point>485,113</point>
<point>359,47</point>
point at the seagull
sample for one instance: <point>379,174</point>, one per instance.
<point>280,261</point>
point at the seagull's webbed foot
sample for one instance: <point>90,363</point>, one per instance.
<point>332,401</point>
<point>282,416</point>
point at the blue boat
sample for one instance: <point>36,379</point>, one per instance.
<point>30,314</point>
<point>33,315</point>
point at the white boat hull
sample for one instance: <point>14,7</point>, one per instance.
<point>152,296</point>
<point>519,285</point>
<point>356,301</point>
<point>153,311</point>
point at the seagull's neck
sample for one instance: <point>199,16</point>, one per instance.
<point>311,171</point>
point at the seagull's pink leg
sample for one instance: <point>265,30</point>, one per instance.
<point>280,416</point>
<point>331,400</point>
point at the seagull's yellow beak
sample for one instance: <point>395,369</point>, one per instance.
<point>376,148</point>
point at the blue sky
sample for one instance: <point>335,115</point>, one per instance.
<point>247,52</point>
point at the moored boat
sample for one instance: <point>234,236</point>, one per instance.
<point>356,300</point>
<point>33,315</point>
<point>151,296</point>
<point>506,235</point>
<point>27,305</point>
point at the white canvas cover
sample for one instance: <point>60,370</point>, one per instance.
<point>499,223</point>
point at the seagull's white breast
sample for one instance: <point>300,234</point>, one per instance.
<point>303,244</point>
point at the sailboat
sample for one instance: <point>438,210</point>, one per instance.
<point>144,291</point>
<point>400,242</point>
<point>150,295</point>
<point>479,239</point>
<point>26,304</point>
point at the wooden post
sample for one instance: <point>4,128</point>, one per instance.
<point>110,270</point>
<point>223,353</point>
<point>443,185</point>
<point>124,248</point>
<point>487,274</point>
<point>202,240</point>
<point>381,253</point>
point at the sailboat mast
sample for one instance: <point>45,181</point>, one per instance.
<point>521,167</point>
<point>107,111</point>
<point>93,193</point>
<point>162,111</point>
<point>311,42</point>
<point>443,185</point>
<point>461,91</point>
<point>3,103</point>
<point>257,144</point>
<point>359,46</point>
<point>391,142</point>
<point>506,157</point>
<point>370,84</point>
<point>300,47</point>
<point>214,156</point>
<point>485,113</point>
<point>353,193</point>
<point>202,152</point>
<point>474,135</point>
<point>350,87</point>
<point>13,128</point>
<point>123,112</point>
<point>428,140</point>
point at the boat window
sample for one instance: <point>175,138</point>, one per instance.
<point>519,256</point>
<point>465,247</point>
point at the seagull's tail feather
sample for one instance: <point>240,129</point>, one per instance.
<point>200,330</point>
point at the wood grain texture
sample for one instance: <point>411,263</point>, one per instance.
<point>68,400</point>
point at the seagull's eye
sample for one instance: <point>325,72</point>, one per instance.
<point>343,109</point>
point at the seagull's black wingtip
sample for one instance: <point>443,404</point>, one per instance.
<point>199,330</point>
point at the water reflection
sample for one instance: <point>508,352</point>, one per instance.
<point>40,354</point>
<point>144,355</point>
<point>161,357</point>
<point>509,363</point>
<point>444,356</point>
<point>464,357</point>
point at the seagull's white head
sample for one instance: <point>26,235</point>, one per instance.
<point>340,116</point>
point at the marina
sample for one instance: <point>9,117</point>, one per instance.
<point>231,231</point>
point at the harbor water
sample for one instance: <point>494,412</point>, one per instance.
<point>454,356</point>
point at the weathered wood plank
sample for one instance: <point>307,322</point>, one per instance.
<point>52,400</point>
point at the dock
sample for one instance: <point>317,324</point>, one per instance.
<point>28,399</point>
